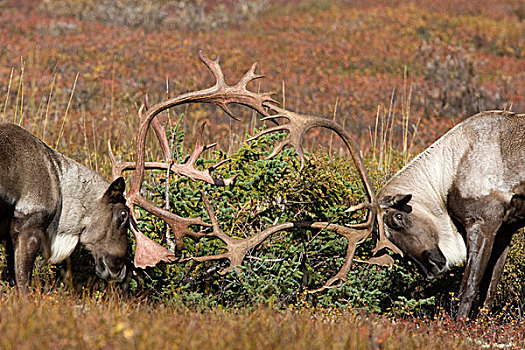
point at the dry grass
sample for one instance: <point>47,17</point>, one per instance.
<point>59,321</point>
<point>55,321</point>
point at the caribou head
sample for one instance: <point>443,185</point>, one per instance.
<point>413,232</point>
<point>105,233</point>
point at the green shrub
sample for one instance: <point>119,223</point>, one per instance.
<point>283,268</point>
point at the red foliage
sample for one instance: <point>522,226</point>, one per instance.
<point>352,52</point>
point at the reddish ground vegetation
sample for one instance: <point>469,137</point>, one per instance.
<point>448,59</point>
<point>49,321</point>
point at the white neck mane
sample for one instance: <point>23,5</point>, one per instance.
<point>429,177</point>
<point>80,189</point>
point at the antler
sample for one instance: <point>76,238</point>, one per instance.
<point>236,249</point>
<point>187,169</point>
<point>148,253</point>
<point>222,95</point>
<point>298,125</point>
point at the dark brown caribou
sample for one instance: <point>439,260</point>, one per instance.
<point>50,202</point>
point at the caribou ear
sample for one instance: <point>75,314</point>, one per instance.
<point>399,201</point>
<point>115,191</point>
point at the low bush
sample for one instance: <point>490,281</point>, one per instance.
<point>285,267</point>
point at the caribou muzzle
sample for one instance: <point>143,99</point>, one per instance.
<point>110,268</point>
<point>433,263</point>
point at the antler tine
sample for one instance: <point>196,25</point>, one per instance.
<point>358,207</point>
<point>237,93</point>
<point>188,169</point>
<point>160,132</point>
<point>268,131</point>
<point>116,167</point>
<point>354,237</point>
<point>199,148</point>
<point>383,241</point>
<point>250,76</point>
<point>222,95</point>
<point>180,226</point>
<point>298,125</point>
<point>214,67</point>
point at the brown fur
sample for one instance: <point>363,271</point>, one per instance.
<point>50,202</point>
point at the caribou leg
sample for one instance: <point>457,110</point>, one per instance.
<point>6,215</point>
<point>28,236</point>
<point>492,276</point>
<point>480,221</point>
<point>514,219</point>
<point>479,247</point>
<point>480,231</point>
<point>10,261</point>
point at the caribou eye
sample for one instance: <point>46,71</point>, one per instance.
<point>123,216</point>
<point>399,220</point>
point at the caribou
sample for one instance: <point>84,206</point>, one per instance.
<point>461,200</point>
<point>50,202</point>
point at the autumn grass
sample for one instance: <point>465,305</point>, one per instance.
<point>57,321</point>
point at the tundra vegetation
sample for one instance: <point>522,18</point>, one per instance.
<point>396,75</point>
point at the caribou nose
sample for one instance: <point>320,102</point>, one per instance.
<point>116,268</point>
<point>436,260</point>
<point>120,276</point>
<point>110,268</point>
<point>101,269</point>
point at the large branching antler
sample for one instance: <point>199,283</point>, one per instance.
<point>148,253</point>
<point>298,125</point>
